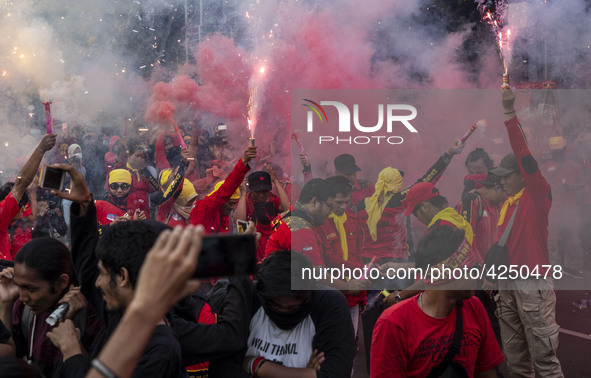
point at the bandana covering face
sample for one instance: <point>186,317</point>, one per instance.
<point>389,182</point>
<point>465,255</point>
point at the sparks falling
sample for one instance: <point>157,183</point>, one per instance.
<point>256,89</point>
<point>502,32</point>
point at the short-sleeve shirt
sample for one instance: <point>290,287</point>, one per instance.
<point>409,343</point>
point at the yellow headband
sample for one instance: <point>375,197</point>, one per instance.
<point>188,188</point>
<point>235,196</point>
<point>120,175</point>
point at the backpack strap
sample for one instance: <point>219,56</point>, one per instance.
<point>454,348</point>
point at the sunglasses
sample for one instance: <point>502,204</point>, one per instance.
<point>115,186</point>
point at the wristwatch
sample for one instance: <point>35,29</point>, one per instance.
<point>397,298</point>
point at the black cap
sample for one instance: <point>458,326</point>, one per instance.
<point>259,181</point>
<point>345,164</point>
<point>491,180</point>
<point>508,165</point>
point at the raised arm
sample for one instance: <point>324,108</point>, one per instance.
<point>29,170</point>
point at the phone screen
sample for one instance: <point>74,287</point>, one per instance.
<point>52,178</point>
<point>227,255</point>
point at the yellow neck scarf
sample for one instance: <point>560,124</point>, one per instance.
<point>339,222</point>
<point>134,171</point>
<point>389,181</point>
<point>451,215</point>
<point>509,202</point>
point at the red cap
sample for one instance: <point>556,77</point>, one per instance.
<point>418,193</point>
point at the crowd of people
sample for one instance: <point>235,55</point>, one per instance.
<point>119,245</point>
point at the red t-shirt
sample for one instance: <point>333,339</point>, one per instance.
<point>409,343</point>
<point>8,210</point>
<point>528,240</point>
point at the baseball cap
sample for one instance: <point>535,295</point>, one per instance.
<point>259,181</point>
<point>418,193</point>
<point>491,180</point>
<point>345,164</point>
<point>508,165</point>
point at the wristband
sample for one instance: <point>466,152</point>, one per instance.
<point>511,112</point>
<point>102,368</point>
<point>255,365</point>
<point>259,367</point>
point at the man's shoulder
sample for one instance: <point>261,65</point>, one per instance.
<point>163,342</point>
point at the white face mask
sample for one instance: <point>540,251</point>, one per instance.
<point>78,155</point>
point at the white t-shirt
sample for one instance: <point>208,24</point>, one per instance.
<point>290,348</point>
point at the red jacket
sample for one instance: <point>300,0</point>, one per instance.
<point>333,251</point>
<point>483,216</point>
<point>528,241</point>
<point>296,225</point>
<point>391,229</point>
<point>208,211</point>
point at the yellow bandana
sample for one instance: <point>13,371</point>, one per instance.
<point>131,169</point>
<point>451,215</point>
<point>339,222</point>
<point>120,175</point>
<point>389,181</point>
<point>509,202</point>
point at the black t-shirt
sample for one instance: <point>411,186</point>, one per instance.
<point>161,357</point>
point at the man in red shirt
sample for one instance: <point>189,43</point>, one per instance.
<point>413,337</point>
<point>212,211</point>
<point>526,307</point>
<point>260,205</point>
<point>115,207</point>
<point>297,229</point>
<point>481,209</point>
<point>9,205</point>
<point>343,238</point>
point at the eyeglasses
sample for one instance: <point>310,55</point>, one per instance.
<point>116,185</point>
<point>330,206</point>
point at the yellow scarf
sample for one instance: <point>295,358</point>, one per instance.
<point>451,215</point>
<point>137,172</point>
<point>339,222</point>
<point>509,202</point>
<point>389,181</point>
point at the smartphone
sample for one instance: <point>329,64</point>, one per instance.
<point>241,226</point>
<point>52,178</point>
<point>227,255</point>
